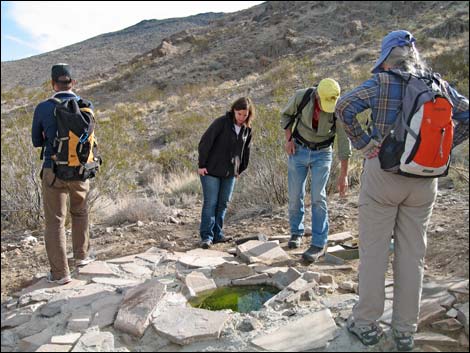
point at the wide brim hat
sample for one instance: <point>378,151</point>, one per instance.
<point>394,39</point>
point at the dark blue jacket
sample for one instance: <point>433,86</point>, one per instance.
<point>44,128</point>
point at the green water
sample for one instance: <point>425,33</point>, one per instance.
<point>242,299</point>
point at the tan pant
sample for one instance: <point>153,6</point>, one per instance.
<point>55,209</point>
<point>391,203</point>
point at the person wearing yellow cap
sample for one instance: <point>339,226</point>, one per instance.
<point>310,130</point>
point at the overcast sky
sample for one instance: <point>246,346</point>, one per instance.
<point>35,27</point>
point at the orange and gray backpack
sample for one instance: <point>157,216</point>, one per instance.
<point>77,156</point>
<point>420,142</point>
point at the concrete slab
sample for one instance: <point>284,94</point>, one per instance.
<point>54,348</point>
<point>340,237</point>
<point>137,306</point>
<point>188,325</point>
<point>122,260</point>
<point>197,282</point>
<point>115,281</point>
<point>435,338</point>
<point>268,253</point>
<point>136,270</point>
<point>310,332</point>
<point>70,338</point>
<point>96,268</point>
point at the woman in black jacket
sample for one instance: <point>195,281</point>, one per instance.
<point>224,152</point>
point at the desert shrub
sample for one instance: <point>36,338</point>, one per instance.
<point>20,186</point>
<point>265,180</point>
<point>132,210</point>
<point>362,54</point>
<point>453,66</point>
<point>174,159</point>
<point>184,183</point>
<point>182,139</point>
<point>121,151</point>
<point>458,170</point>
<point>12,94</point>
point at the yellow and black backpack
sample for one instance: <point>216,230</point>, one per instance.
<point>77,156</point>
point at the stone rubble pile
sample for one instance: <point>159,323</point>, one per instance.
<point>140,302</point>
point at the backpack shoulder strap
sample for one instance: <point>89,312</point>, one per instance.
<point>304,101</point>
<point>300,107</point>
<point>55,100</point>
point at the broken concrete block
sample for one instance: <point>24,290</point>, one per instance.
<point>188,325</point>
<point>197,282</point>
<point>310,332</point>
<point>137,306</point>
<point>263,252</point>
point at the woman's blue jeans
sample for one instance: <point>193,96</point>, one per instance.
<point>217,193</point>
<point>319,164</point>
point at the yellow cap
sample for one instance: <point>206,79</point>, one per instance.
<point>328,90</point>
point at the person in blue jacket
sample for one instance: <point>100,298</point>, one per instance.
<point>55,190</point>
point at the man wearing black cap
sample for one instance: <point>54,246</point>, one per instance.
<point>55,190</point>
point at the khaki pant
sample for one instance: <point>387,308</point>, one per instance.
<point>391,203</point>
<point>55,209</point>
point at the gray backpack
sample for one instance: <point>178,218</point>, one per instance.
<point>419,143</point>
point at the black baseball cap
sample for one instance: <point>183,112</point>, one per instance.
<point>59,70</point>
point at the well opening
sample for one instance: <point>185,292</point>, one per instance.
<point>242,299</point>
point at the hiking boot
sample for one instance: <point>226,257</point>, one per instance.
<point>222,240</point>
<point>61,281</point>
<point>368,335</point>
<point>314,253</point>
<point>85,261</point>
<point>295,241</point>
<point>403,340</point>
<point>206,244</point>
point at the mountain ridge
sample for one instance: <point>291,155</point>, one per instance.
<point>133,40</point>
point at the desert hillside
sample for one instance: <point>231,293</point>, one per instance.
<point>156,87</point>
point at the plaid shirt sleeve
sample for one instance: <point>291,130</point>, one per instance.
<point>460,116</point>
<point>383,99</point>
<point>352,104</point>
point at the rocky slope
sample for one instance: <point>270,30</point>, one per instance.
<point>105,51</point>
<point>175,75</point>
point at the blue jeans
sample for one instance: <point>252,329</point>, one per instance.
<point>217,192</point>
<point>319,164</point>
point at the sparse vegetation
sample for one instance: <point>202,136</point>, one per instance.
<point>453,66</point>
<point>149,140</point>
<point>132,210</point>
<point>21,184</point>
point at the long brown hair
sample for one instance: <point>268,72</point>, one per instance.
<point>245,103</point>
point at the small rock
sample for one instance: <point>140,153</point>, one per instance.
<point>289,312</point>
<point>173,220</point>
<point>249,324</point>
